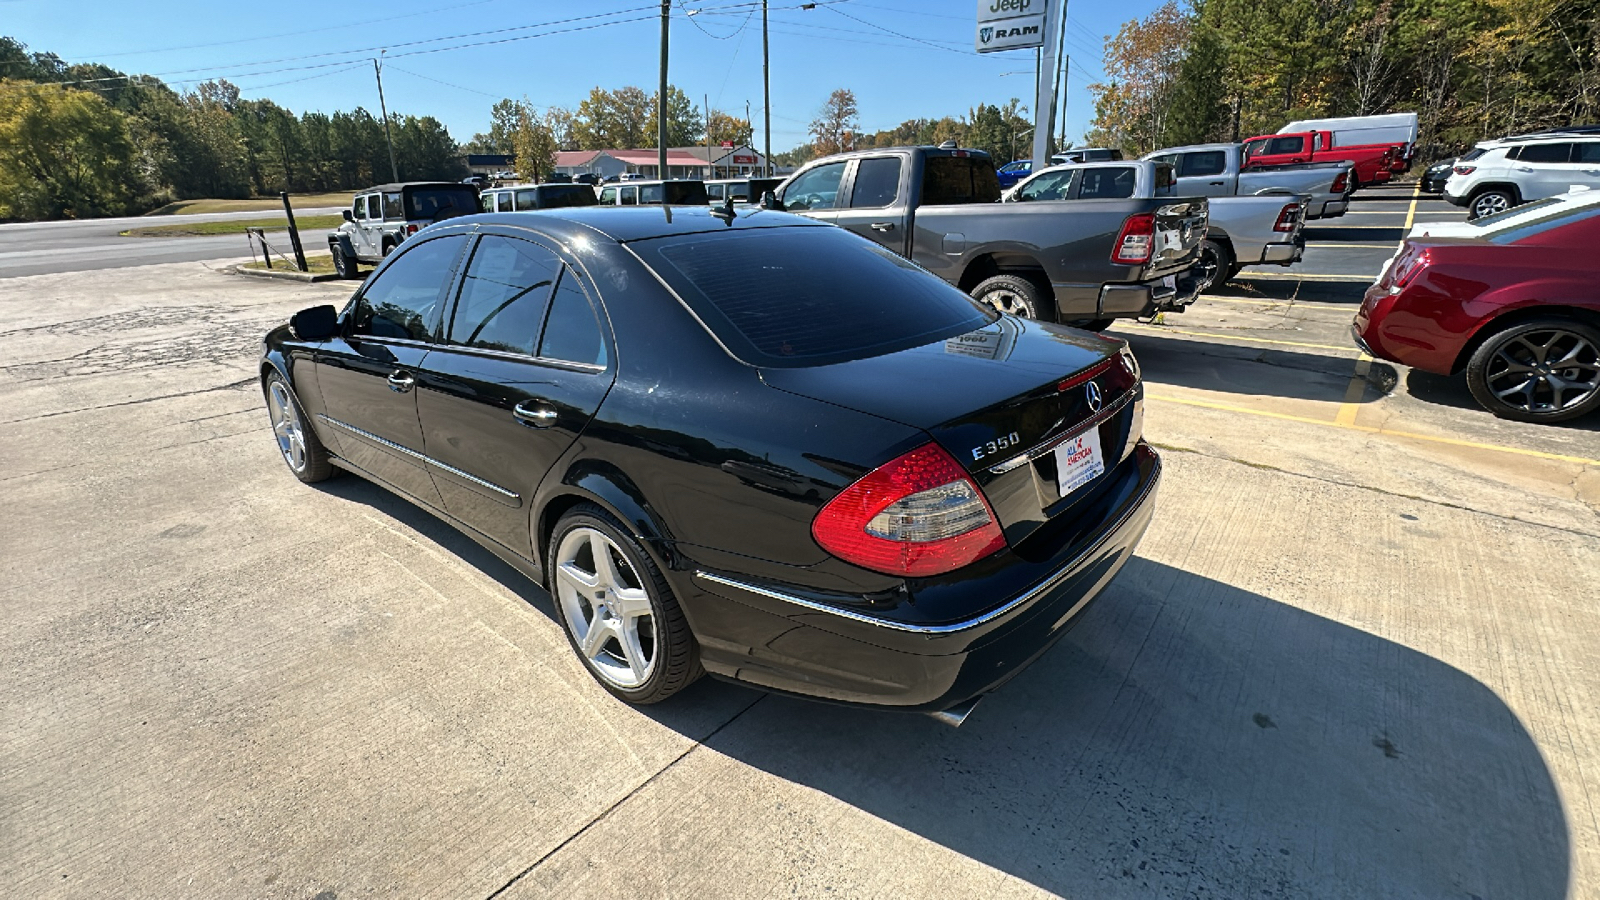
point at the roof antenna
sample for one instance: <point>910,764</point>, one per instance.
<point>726,210</point>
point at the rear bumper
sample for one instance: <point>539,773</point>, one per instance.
<point>1329,210</point>
<point>771,636</point>
<point>1147,298</point>
<point>1456,200</point>
<point>1284,254</point>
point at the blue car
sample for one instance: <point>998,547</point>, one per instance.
<point>1013,172</point>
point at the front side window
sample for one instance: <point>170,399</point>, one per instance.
<point>1048,186</point>
<point>403,299</point>
<point>715,191</point>
<point>503,295</point>
<point>572,332</point>
<point>815,188</point>
<point>1253,149</point>
<point>1205,162</point>
<point>877,182</point>
<point>608,196</point>
<point>359,207</point>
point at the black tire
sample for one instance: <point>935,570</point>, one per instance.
<point>344,263</point>
<point>1014,295</point>
<point>1554,391</point>
<point>1490,201</point>
<point>388,247</point>
<point>298,444</point>
<point>675,656</point>
<point>1215,266</point>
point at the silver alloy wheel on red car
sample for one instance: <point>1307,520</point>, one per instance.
<point>1542,371</point>
<point>606,608</point>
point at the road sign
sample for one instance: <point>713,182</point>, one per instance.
<point>1010,24</point>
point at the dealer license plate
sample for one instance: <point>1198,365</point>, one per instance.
<point>1079,461</point>
<point>1170,281</point>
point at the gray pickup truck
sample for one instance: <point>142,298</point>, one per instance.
<point>1083,264</point>
<point>1241,231</point>
<point>1212,170</point>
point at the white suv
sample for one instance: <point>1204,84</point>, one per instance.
<point>1518,170</point>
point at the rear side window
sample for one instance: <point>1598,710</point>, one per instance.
<point>1285,145</point>
<point>948,180</point>
<point>1473,154</point>
<point>402,300</point>
<point>573,331</point>
<point>761,293</point>
<point>630,196</point>
<point>562,196</point>
<point>1206,162</point>
<point>391,206</point>
<point>527,200</point>
<point>439,203</point>
<point>1586,152</point>
<point>1107,184</point>
<point>877,182</point>
<point>503,295</point>
<point>1546,153</point>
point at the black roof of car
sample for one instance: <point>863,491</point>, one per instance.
<point>397,185</point>
<point>637,223</point>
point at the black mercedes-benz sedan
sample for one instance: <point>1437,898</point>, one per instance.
<point>739,442</point>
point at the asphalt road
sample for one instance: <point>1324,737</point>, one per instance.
<point>1353,656</point>
<point>41,248</point>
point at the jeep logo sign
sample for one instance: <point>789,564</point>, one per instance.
<point>1010,24</point>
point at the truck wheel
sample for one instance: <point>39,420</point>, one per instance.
<point>1215,266</point>
<point>1491,201</point>
<point>388,246</point>
<point>343,263</point>
<point>1546,370</point>
<point>1012,295</point>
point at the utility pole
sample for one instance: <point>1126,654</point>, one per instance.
<point>1062,62</point>
<point>661,96</point>
<point>1044,106</point>
<point>705,103</point>
<point>766,93</point>
<point>377,68</point>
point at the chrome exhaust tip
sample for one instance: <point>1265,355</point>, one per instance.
<point>955,715</point>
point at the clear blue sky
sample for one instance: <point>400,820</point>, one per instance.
<point>903,58</point>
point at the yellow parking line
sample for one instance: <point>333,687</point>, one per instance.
<point>1306,276</point>
<point>1224,407</point>
<point>1233,337</point>
<point>1353,392</point>
<point>1411,213</point>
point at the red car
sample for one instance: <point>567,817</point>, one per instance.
<point>1373,163</point>
<point>1512,299</point>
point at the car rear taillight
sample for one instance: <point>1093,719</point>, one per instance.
<point>1465,170</point>
<point>1287,218</point>
<point>1341,182</point>
<point>1136,240</point>
<point>411,229</point>
<point>1407,269</point>
<point>916,515</point>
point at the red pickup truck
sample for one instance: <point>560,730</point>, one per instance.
<point>1373,162</point>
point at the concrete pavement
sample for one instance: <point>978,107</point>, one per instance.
<point>1345,662</point>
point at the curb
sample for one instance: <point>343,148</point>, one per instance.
<point>287,275</point>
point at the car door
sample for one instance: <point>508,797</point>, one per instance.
<point>374,224</point>
<point>1544,169</point>
<point>1586,162</point>
<point>523,364</point>
<point>814,193</point>
<point>877,210</point>
<point>367,375</point>
<point>358,235</point>
<point>1202,173</point>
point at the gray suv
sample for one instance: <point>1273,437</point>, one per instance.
<point>379,218</point>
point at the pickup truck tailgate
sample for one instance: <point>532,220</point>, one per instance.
<point>1179,229</point>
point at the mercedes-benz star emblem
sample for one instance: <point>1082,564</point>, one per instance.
<point>1091,392</point>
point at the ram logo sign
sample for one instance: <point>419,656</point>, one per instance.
<point>1010,24</point>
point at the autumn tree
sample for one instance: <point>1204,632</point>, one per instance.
<point>684,126</point>
<point>721,126</point>
<point>1142,63</point>
<point>834,129</point>
<point>534,146</point>
<point>504,117</point>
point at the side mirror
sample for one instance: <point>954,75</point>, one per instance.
<point>319,323</point>
<point>349,216</point>
<point>769,200</point>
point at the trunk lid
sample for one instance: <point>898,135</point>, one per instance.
<point>1001,400</point>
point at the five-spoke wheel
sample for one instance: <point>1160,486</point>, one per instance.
<point>299,446</point>
<point>1546,370</point>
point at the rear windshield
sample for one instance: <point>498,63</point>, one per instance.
<point>678,193</point>
<point>440,202</point>
<point>959,179</point>
<point>766,294</point>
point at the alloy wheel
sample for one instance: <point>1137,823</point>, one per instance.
<point>286,426</point>
<point>1007,302</point>
<point>1544,371</point>
<point>606,607</point>
<point>1490,203</point>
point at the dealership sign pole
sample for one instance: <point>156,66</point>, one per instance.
<point>1025,24</point>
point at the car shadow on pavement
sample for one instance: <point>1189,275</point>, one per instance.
<point>1287,290</point>
<point>1253,371</point>
<point>1191,739</point>
<point>1451,390</point>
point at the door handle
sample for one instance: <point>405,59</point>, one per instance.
<point>535,414</point>
<point>1217,183</point>
<point>882,226</point>
<point>1524,168</point>
<point>401,381</point>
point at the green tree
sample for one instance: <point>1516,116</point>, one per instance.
<point>62,153</point>
<point>534,146</point>
<point>684,127</point>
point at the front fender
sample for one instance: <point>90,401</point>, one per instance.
<point>342,242</point>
